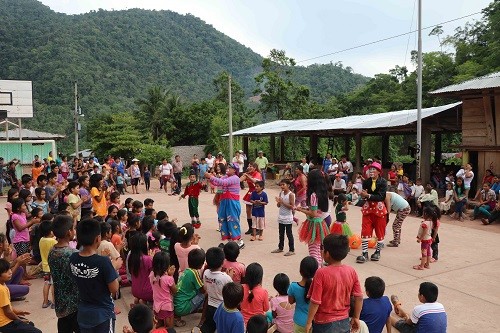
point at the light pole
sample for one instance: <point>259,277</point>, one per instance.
<point>230,118</point>
<point>76,120</point>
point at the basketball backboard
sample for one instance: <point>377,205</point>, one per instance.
<point>16,99</point>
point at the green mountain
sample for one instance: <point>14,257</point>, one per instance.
<point>117,55</point>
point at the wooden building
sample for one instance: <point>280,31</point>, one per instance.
<point>480,121</point>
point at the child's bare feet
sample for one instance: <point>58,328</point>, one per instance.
<point>418,267</point>
<point>396,304</point>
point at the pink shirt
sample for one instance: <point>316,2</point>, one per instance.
<point>141,287</point>
<point>238,267</point>
<point>259,304</point>
<point>182,255</point>
<point>162,297</point>
<point>332,288</point>
<point>284,314</point>
<point>23,235</point>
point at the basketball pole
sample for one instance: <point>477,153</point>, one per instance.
<point>76,119</point>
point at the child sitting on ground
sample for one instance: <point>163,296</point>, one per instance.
<point>227,316</point>
<point>281,310</point>
<point>142,321</point>
<point>297,292</point>
<point>332,288</point>
<point>188,241</point>
<point>164,288</point>
<point>256,298</point>
<point>10,322</point>
<point>377,308</point>
<point>190,289</point>
<point>427,317</point>
<point>231,252</point>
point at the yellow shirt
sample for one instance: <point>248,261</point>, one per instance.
<point>100,208</point>
<point>73,199</point>
<point>4,300</point>
<point>46,243</point>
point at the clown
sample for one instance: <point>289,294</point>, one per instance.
<point>374,212</point>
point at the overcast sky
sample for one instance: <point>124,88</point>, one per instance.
<point>307,29</point>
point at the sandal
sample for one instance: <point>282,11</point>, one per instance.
<point>433,260</point>
<point>418,268</point>
<point>261,238</point>
<point>395,304</point>
<point>289,253</point>
<point>179,323</point>
<point>46,305</point>
<point>426,265</point>
<point>253,238</point>
<point>277,251</point>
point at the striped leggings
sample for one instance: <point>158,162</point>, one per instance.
<point>398,222</point>
<point>315,252</point>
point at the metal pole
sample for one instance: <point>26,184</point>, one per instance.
<point>20,129</point>
<point>419,92</point>
<point>231,152</point>
<point>76,120</point>
<point>7,129</point>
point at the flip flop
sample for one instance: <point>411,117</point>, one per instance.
<point>433,260</point>
<point>395,303</point>
<point>418,268</point>
<point>46,305</point>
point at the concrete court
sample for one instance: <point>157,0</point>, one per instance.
<point>467,272</point>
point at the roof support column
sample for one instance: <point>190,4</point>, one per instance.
<point>272,144</point>
<point>385,149</point>
<point>282,149</point>
<point>438,150</point>
<point>358,167</point>
<point>245,150</point>
<point>313,147</point>
<point>425,162</point>
<point>347,145</point>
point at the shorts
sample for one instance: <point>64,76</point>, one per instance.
<point>298,328</point>
<point>258,222</point>
<point>134,181</point>
<point>165,178</point>
<point>164,314</point>
<point>47,278</point>
<point>22,248</point>
<point>426,248</point>
<point>403,327</point>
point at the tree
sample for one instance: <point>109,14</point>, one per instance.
<point>151,154</point>
<point>115,134</point>
<point>280,96</point>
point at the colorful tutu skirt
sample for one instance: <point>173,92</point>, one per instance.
<point>313,230</point>
<point>341,228</point>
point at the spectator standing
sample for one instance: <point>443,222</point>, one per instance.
<point>177,168</point>
<point>262,163</point>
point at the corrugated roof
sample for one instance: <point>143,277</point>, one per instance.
<point>484,82</point>
<point>30,135</point>
<point>369,121</point>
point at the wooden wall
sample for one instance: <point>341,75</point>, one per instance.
<point>487,160</point>
<point>473,123</point>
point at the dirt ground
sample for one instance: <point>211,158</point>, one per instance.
<point>467,272</point>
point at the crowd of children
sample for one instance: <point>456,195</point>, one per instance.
<point>89,245</point>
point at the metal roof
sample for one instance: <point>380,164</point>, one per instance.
<point>483,82</point>
<point>30,135</point>
<point>370,121</point>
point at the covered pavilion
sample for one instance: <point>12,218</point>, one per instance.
<point>435,120</point>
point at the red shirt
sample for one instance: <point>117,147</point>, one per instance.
<point>259,304</point>
<point>392,177</point>
<point>332,288</point>
<point>251,184</point>
<point>193,189</point>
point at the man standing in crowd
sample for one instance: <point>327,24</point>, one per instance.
<point>262,163</point>
<point>177,168</point>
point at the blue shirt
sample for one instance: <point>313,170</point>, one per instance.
<point>229,320</point>
<point>258,209</point>
<point>203,169</point>
<point>375,312</point>
<point>301,306</point>
<point>92,275</point>
<point>429,318</point>
<point>398,202</point>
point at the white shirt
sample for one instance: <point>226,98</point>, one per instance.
<point>210,161</point>
<point>339,184</point>
<point>165,169</point>
<point>348,167</point>
<point>214,282</point>
<point>333,168</point>
<point>417,190</point>
<point>240,162</point>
